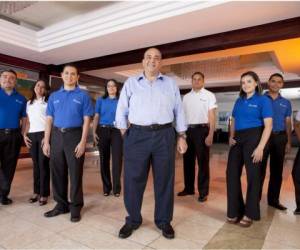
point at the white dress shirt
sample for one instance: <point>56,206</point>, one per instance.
<point>197,105</point>
<point>36,113</point>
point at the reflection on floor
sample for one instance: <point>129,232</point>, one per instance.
<point>197,225</point>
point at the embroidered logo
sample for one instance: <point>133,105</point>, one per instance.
<point>75,100</point>
<point>18,101</point>
<point>282,105</point>
<point>252,105</point>
<point>56,101</point>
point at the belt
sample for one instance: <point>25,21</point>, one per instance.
<point>106,126</point>
<point>7,131</point>
<point>201,125</point>
<point>65,130</point>
<point>152,127</point>
<point>279,132</point>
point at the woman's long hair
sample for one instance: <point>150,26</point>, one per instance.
<point>255,77</point>
<point>33,94</point>
<point>106,92</point>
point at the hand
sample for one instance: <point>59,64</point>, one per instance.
<point>96,139</point>
<point>79,150</point>
<point>209,140</point>
<point>258,154</point>
<point>46,149</point>
<point>42,142</point>
<point>27,141</point>
<point>288,147</point>
<point>232,141</point>
<point>181,145</point>
<point>123,131</point>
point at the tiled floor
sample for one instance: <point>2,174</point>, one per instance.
<point>22,225</point>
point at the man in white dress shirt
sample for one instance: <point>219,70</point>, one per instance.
<point>200,112</point>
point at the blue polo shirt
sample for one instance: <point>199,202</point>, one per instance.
<point>251,112</point>
<point>12,109</point>
<point>68,107</point>
<point>106,108</point>
<point>282,109</point>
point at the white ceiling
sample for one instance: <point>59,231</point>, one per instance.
<point>124,26</point>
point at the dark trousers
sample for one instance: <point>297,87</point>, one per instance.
<point>276,150</point>
<point>196,148</point>
<point>10,145</point>
<point>62,161</point>
<point>296,177</point>
<point>41,169</point>
<point>110,141</point>
<point>142,148</point>
<point>240,154</point>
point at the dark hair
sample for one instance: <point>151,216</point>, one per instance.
<point>10,71</point>
<point>198,73</point>
<point>276,75</point>
<point>106,92</point>
<point>255,77</point>
<point>71,65</point>
<point>33,94</point>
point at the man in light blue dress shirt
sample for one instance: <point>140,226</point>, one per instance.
<point>149,104</point>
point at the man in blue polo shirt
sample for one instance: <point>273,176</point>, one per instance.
<point>280,140</point>
<point>12,110</point>
<point>69,110</point>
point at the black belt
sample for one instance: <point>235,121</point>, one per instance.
<point>106,126</point>
<point>65,130</point>
<point>7,131</point>
<point>201,125</point>
<point>152,127</point>
<point>279,132</point>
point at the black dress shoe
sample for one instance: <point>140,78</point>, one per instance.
<point>6,201</point>
<point>127,230</point>
<point>278,206</point>
<point>167,231</point>
<point>76,218</point>
<point>202,198</point>
<point>297,211</point>
<point>184,193</point>
<point>33,199</point>
<point>43,202</point>
<point>54,212</point>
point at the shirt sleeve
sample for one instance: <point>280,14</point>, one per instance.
<point>298,116</point>
<point>234,108</point>
<point>266,107</point>
<point>98,106</point>
<point>289,110</point>
<point>50,107</point>
<point>212,104</point>
<point>181,125</point>
<point>24,106</point>
<point>123,106</point>
<point>88,109</point>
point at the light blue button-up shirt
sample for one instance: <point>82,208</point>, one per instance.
<point>145,103</point>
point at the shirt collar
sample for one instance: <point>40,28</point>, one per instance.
<point>197,92</point>
<point>278,97</point>
<point>252,97</point>
<point>75,90</point>
<point>12,93</point>
<point>142,76</point>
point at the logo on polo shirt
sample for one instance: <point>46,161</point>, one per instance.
<point>75,100</point>
<point>282,105</point>
<point>55,101</point>
<point>18,101</point>
<point>252,105</point>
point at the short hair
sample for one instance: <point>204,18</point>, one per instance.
<point>255,77</point>
<point>198,73</point>
<point>155,49</point>
<point>71,65</point>
<point>276,75</point>
<point>10,71</point>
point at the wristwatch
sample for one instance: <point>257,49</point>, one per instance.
<point>182,135</point>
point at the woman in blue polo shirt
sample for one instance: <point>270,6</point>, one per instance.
<point>249,133</point>
<point>108,138</point>
<point>33,138</point>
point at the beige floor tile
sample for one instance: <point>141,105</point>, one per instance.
<point>177,243</point>
<point>276,245</point>
<point>56,242</point>
<point>146,234</point>
<point>98,239</point>
<point>284,236</point>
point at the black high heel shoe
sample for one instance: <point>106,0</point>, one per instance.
<point>43,201</point>
<point>33,199</point>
